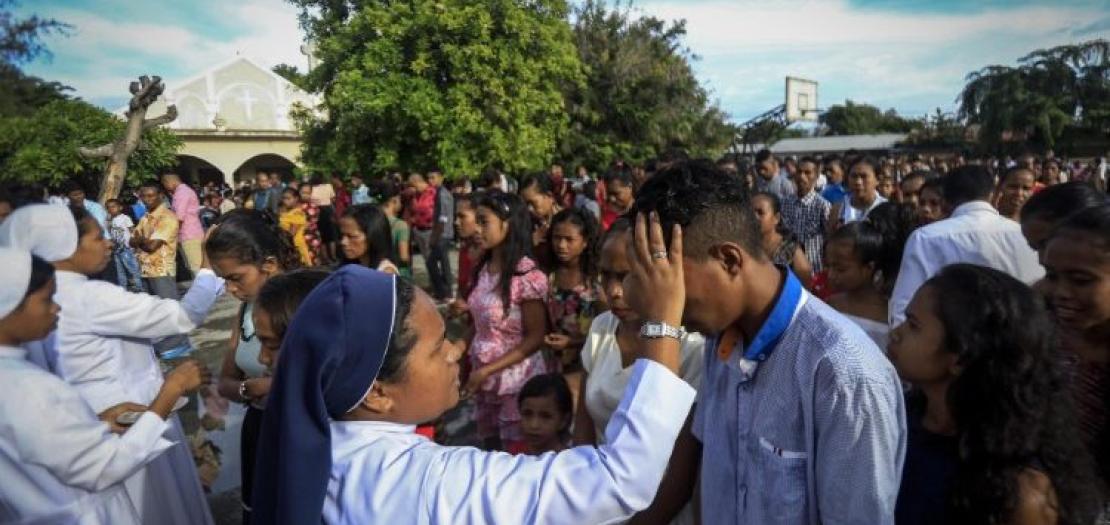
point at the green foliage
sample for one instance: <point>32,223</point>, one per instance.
<point>640,97</point>
<point>1048,91</point>
<point>863,119</point>
<point>42,147</point>
<point>292,74</point>
<point>21,94</point>
<point>21,38</point>
<point>462,84</point>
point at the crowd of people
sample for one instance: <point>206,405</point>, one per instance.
<point>835,339</point>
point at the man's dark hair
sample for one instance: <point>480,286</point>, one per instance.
<point>763,156</point>
<point>71,186</point>
<point>710,204</point>
<point>966,184</point>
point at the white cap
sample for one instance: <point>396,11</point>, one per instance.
<point>46,230</point>
<point>15,278</point>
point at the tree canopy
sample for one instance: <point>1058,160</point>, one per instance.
<point>461,84</point>
<point>640,97</point>
<point>851,118</point>
<point>42,146</point>
<point>1048,91</point>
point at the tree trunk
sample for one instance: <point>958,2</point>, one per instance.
<point>143,94</point>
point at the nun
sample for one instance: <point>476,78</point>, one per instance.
<point>47,234</point>
<point>365,360</point>
<point>58,462</point>
<point>103,347</point>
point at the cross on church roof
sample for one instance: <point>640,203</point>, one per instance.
<point>248,101</point>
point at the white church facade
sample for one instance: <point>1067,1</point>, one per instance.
<point>234,121</point>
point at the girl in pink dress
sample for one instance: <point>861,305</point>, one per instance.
<point>507,306</point>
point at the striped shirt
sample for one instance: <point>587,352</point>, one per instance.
<point>807,217</point>
<point>815,433</point>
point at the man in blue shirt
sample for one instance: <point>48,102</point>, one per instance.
<point>800,415</point>
<point>771,178</point>
<point>834,191</point>
<point>76,194</point>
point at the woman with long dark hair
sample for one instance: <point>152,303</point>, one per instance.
<point>507,306</point>
<point>992,437</point>
<point>365,238</point>
<point>779,242</point>
<point>247,248</point>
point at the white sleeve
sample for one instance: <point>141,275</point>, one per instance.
<point>585,484</point>
<point>75,446</point>
<point>145,316</point>
<point>915,270</point>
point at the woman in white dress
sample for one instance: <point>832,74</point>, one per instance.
<point>365,359</point>
<point>104,349</point>
<point>607,358</point>
<point>863,181</point>
<point>58,461</point>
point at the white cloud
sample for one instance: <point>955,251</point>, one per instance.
<point>912,61</point>
<point>104,53</point>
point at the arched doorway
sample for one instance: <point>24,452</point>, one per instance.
<point>197,171</point>
<point>268,162</point>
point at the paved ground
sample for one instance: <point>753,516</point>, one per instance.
<point>211,342</point>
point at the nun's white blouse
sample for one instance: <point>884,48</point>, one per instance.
<point>103,341</point>
<point>59,464</point>
<point>386,473</point>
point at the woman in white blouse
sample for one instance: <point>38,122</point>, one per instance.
<point>59,463</point>
<point>607,358</point>
<point>103,347</point>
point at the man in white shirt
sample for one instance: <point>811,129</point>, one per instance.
<point>974,233</point>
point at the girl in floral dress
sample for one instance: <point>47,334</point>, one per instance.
<point>507,306</point>
<point>573,297</point>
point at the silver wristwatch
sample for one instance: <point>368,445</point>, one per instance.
<point>658,330</point>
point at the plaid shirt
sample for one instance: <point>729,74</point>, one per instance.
<point>806,217</point>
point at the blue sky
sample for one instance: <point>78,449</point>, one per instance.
<point>909,55</point>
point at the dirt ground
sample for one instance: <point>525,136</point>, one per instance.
<point>211,343</point>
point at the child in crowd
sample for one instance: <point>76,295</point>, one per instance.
<point>390,198</point>
<point>607,359</point>
<point>932,208</point>
<point>247,249</point>
<point>992,436</point>
<point>546,409</point>
<point>312,225</point>
<point>779,242</point>
<point>466,226</point>
<point>365,238</point>
<point>1045,210</point>
<point>587,199</point>
<point>1077,287</point>
<point>274,308</point>
<point>358,372</point>
<point>506,304</point>
<point>885,189</point>
<point>867,256</point>
<point>574,297</point>
<point>58,459</point>
<point>127,266</point>
<point>294,221</point>
<point>538,193</point>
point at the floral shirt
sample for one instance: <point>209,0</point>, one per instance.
<point>311,229</point>
<point>160,224</point>
<point>496,333</point>
<point>572,311</point>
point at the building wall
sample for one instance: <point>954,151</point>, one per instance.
<point>229,153</point>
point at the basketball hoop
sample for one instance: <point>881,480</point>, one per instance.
<point>801,100</point>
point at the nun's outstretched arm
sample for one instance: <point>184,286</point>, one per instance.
<point>113,311</point>
<point>584,484</point>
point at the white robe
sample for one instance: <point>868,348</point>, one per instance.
<point>103,347</point>
<point>59,464</point>
<point>386,473</point>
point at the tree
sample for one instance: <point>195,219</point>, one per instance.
<point>640,97</point>
<point>1048,91</point>
<point>292,74</point>
<point>462,84</point>
<point>43,147</point>
<point>119,149</point>
<point>863,119</point>
<point>21,42</point>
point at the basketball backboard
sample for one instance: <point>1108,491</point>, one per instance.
<point>801,100</point>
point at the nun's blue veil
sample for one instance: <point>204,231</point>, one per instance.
<point>331,354</point>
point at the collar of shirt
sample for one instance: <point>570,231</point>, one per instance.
<point>972,207</point>
<point>13,352</point>
<point>809,197</point>
<point>774,328</point>
<point>65,276</point>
